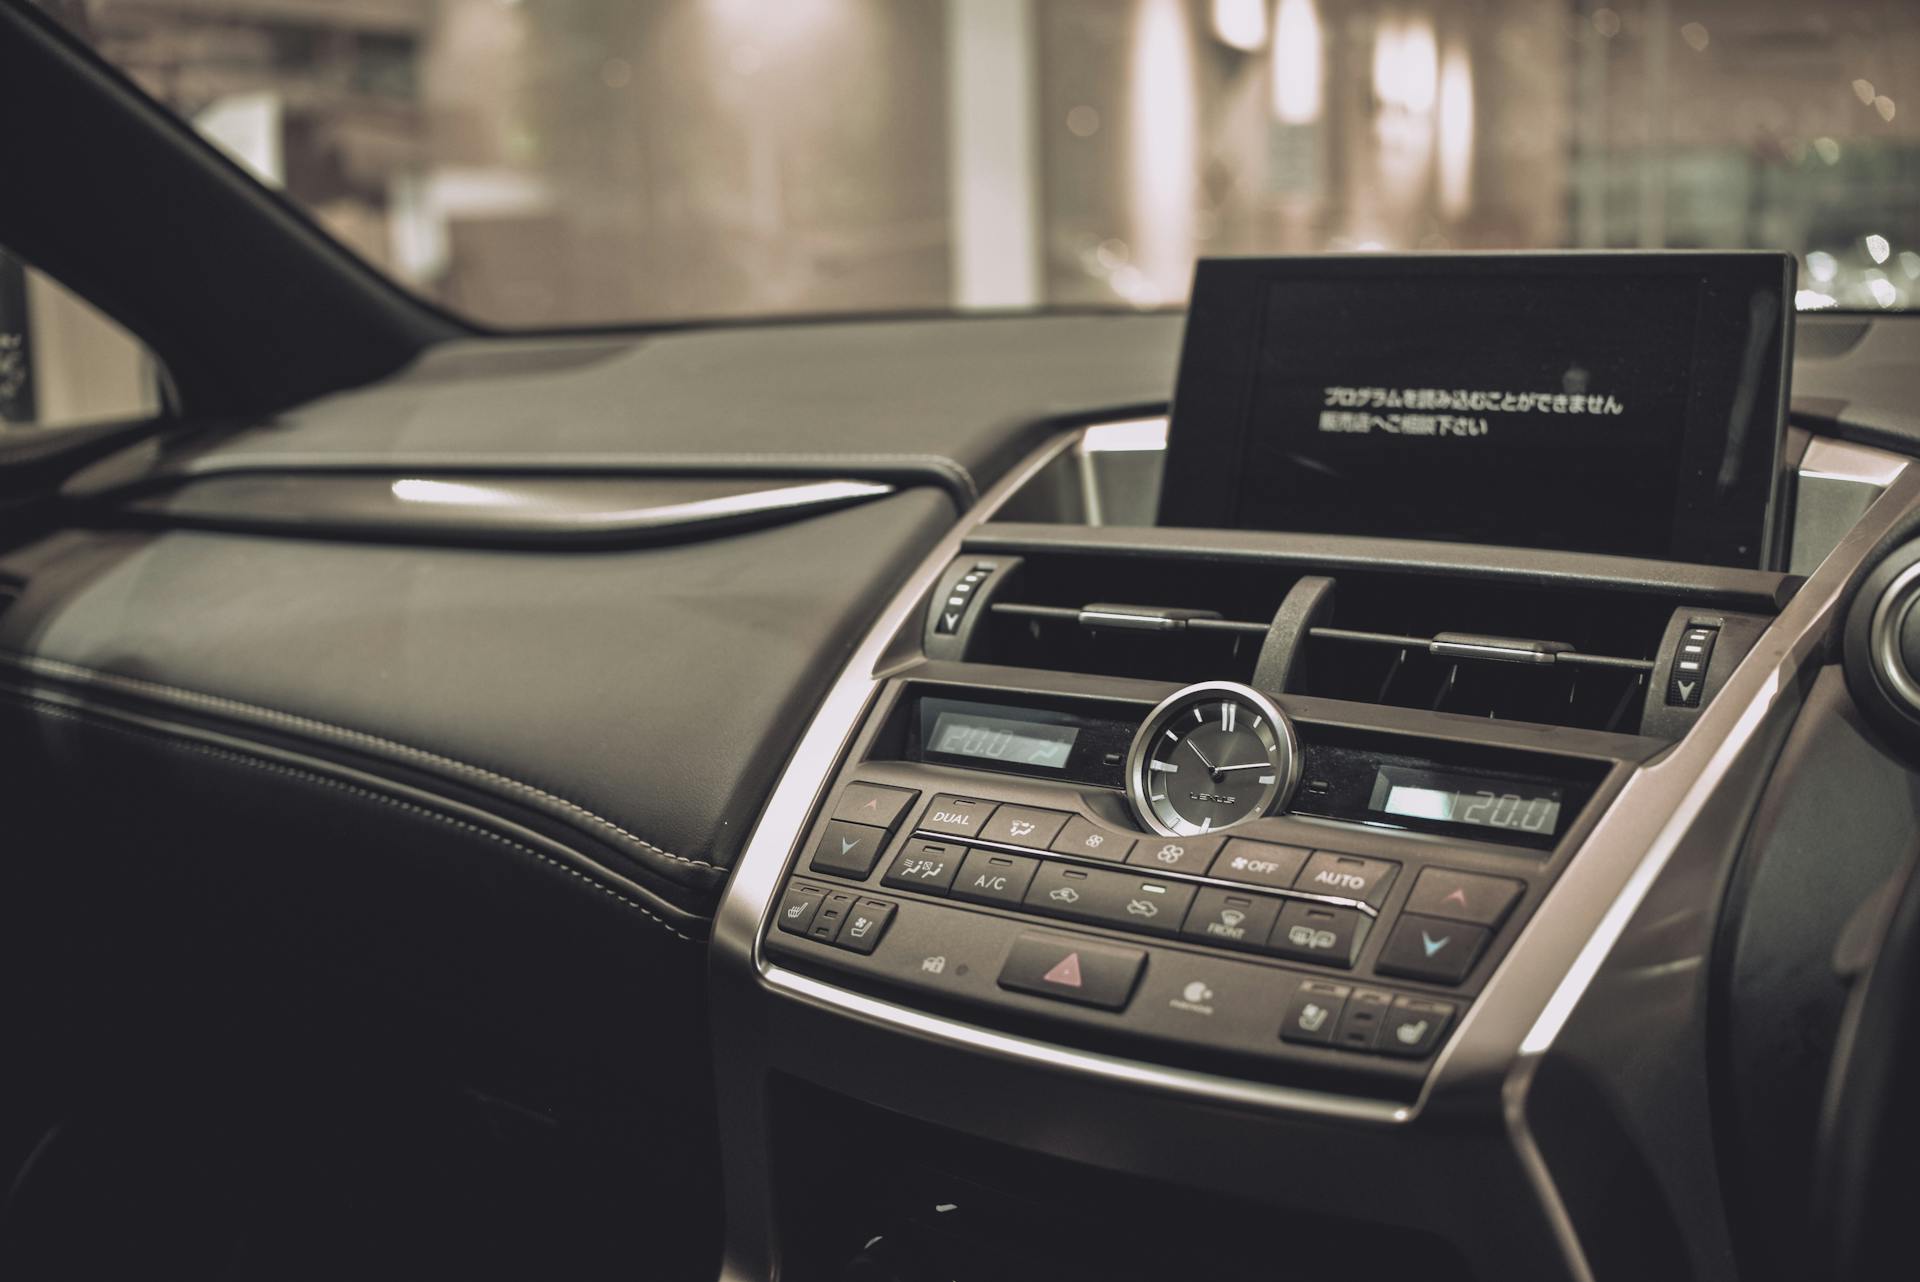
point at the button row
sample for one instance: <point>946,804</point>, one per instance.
<point>836,917</point>
<point>1319,1013</point>
<point>1298,929</point>
<point>1257,863</point>
<point>1364,1019</point>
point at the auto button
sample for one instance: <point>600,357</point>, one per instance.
<point>1347,876</point>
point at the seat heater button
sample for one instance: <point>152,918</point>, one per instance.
<point>848,850</point>
<point>797,908</point>
<point>1023,826</point>
<point>1231,918</point>
<point>1311,932</point>
<point>1347,876</point>
<point>1175,854</point>
<point>866,923</point>
<point>988,877</point>
<point>1314,1012</point>
<point>1082,837</point>
<point>1073,970</point>
<point>953,816</point>
<point>1463,896</point>
<point>1432,948</point>
<point>1260,863</point>
<point>1414,1027</point>
<point>869,803</point>
<point>927,866</point>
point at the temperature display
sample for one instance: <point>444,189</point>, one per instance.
<point>1002,739</point>
<point>1466,799</point>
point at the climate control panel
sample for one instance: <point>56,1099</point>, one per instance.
<point>1209,946</point>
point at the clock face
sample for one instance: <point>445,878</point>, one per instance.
<point>1212,756</point>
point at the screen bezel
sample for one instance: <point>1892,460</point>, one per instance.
<point>1225,333</point>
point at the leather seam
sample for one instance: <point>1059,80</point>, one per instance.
<point>74,671</point>
<point>43,708</point>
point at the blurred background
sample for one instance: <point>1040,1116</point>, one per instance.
<point>543,163</point>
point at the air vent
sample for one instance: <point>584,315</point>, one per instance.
<point>1483,647</point>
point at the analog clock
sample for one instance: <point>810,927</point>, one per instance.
<point>1211,756</point>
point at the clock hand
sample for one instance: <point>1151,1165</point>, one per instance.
<point>1251,765</point>
<point>1201,755</point>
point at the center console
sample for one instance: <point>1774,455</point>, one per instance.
<point>1155,901</point>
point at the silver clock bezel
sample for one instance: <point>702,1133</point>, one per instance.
<point>1139,752</point>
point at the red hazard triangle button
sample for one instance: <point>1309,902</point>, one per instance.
<point>1066,972</point>
<point>1073,970</point>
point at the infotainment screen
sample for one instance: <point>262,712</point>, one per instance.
<point>1624,403</point>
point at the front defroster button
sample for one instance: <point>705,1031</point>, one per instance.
<point>1227,917</point>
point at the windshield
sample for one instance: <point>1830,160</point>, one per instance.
<point>541,163</point>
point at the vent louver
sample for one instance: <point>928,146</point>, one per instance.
<point>1578,657</point>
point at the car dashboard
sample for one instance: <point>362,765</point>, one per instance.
<point>841,756</point>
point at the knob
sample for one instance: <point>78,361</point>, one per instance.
<point>1881,649</point>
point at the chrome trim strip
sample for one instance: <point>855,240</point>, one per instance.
<point>1130,1072</point>
<point>1631,844</point>
<point>1132,435</point>
<point>1829,460</point>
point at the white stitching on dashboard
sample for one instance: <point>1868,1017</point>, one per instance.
<point>60,667</point>
<point>43,708</point>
